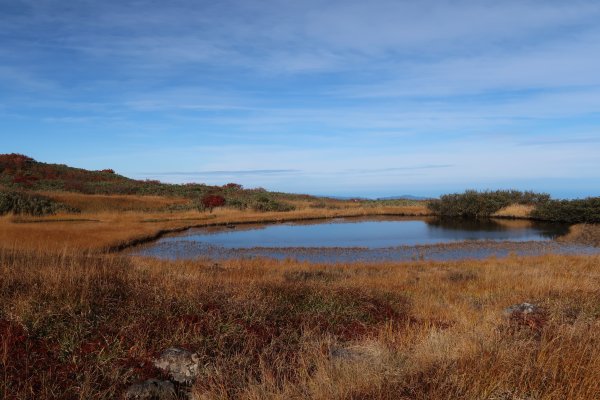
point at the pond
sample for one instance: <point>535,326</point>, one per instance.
<point>367,239</point>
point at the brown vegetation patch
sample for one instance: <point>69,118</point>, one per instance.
<point>588,234</point>
<point>90,325</point>
<point>515,211</point>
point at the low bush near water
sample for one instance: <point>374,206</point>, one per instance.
<point>29,204</point>
<point>476,204</point>
<point>573,211</point>
<point>265,203</point>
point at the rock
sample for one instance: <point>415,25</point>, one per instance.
<point>181,365</point>
<point>526,315</point>
<point>523,308</point>
<point>151,389</point>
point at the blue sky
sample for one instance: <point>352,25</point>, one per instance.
<point>374,98</point>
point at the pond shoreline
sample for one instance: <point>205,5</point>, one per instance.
<point>344,243</point>
<point>164,232</point>
<point>473,249</point>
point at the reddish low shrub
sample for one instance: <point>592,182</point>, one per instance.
<point>210,201</point>
<point>25,180</point>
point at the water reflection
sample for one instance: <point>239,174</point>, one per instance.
<point>548,230</point>
<point>369,233</point>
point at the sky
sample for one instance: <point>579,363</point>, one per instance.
<point>347,98</point>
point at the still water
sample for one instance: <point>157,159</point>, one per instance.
<point>367,239</point>
<point>371,233</point>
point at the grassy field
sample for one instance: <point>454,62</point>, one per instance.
<point>79,320</point>
<point>86,326</point>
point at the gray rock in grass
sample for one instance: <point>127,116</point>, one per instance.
<point>182,366</point>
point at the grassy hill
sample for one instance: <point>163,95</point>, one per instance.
<point>20,173</point>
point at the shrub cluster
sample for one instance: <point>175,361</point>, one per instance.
<point>474,204</point>
<point>210,201</point>
<point>266,203</point>
<point>24,203</point>
<point>573,211</point>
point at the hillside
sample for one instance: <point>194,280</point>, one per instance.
<point>20,172</point>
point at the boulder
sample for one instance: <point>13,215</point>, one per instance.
<point>182,366</point>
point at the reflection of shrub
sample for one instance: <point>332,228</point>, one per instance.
<point>265,203</point>
<point>574,211</point>
<point>23,203</point>
<point>483,204</point>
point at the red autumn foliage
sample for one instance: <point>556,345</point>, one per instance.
<point>25,180</point>
<point>108,171</point>
<point>48,173</point>
<point>211,201</point>
<point>14,160</point>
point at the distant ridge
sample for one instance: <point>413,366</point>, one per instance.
<point>404,197</point>
<point>401,197</point>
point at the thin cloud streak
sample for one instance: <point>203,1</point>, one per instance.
<point>546,142</point>
<point>227,173</point>
<point>332,94</point>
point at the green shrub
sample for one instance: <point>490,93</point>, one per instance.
<point>237,203</point>
<point>573,211</point>
<point>265,203</point>
<point>474,204</point>
<point>30,204</point>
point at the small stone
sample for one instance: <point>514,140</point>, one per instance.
<point>182,366</point>
<point>527,315</point>
<point>151,389</point>
<point>523,308</point>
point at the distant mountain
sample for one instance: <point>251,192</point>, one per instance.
<point>346,197</point>
<point>404,197</point>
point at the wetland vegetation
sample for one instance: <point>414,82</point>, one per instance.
<point>79,318</point>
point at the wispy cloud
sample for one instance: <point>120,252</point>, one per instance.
<point>400,169</point>
<point>560,141</point>
<point>335,94</point>
<point>223,173</point>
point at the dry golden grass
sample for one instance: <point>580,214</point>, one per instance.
<point>76,322</point>
<point>101,230</point>
<point>86,326</point>
<point>515,211</point>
